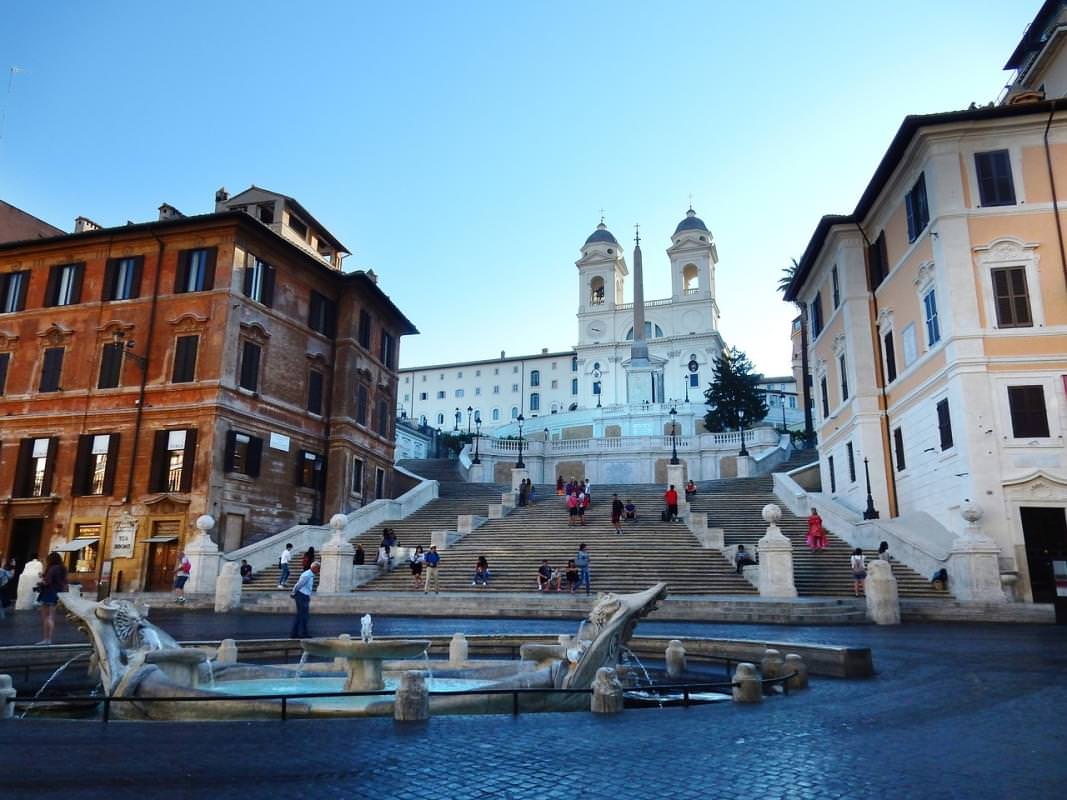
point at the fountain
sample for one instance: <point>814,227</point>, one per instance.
<point>363,660</point>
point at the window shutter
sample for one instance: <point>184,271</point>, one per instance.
<point>300,459</point>
<point>110,366</point>
<point>24,285</point>
<point>157,475</point>
<point>320,474</point>
<point>110,278</point>
<point>209,268</point>
<point>185,359</point>
<point>249,366</point>
<point>898,445</point>
<point>135,280</point>
<point>267,291</point>
<point>52,369</point>
<point>5,359</point>
<point>50,466</point>
<point>944,424</point>
<point>890,359</point>
<point>181,274</point>
<point>80,485</point>
<point>21,487</point>
<point>76,283</point>
<point>315,392</point>
<point>188,460</point>
<point>112,463</point>
<point>255,456</point>
<point>50,289</point>
<point>247,275</point>
<point>227,456</point>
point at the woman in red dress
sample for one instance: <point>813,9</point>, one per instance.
<point>816,532</point>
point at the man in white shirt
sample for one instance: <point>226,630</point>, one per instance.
<point>283,560</point>
<point>301,594</point>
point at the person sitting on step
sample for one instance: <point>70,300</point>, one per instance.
<point>742,558</point>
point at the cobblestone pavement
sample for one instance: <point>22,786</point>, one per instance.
<point>955,712</point>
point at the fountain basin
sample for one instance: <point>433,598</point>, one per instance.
<point>363,660</point>
<point>181,665</point>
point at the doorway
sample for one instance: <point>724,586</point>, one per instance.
<point>1045,535</point>
<point>25,541</point>
<point>162,555</point>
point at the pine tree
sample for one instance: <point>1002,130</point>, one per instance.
<point>733,390</point>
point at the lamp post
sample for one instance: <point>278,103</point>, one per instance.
<point>477,437</point>
<point>783,411</point>
<point>458,417</point>
<point>686,380</point>
<point>741,421</point>
<point>870,512</point>
<point>518,464</point>
<point>470,410</point>
<point>674,444</point>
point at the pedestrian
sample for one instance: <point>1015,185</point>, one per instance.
<point>181,575</point>
<point>283,562</point>
<point>360,556</point>
<point>308,560</point>
<point>581,558</point>
<point>859,571</point>
<point>583,504</point>
<point>572,509</point>
<point>415,562</point>
<point>523,492</point>
<point>883,551</point>
<point>532,492</point>
<point>52,583</point>
<point>816,532</point>
<point>246,571</point>
<point>616,513</point>
<point>301,595</point>
<point>481,572</point>
<point>690,490</point>
<point>572,575</point>
<point>5,577</point>
<point>742,558</point>
<point>431,561</point>
<point>587,487</point>
<point>385,551</point>
<point>670,497</point>
<point>559,486</point>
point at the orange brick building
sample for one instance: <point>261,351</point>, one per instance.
<point>219,364</point>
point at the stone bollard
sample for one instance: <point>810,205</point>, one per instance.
<point>607,692</point>
<point>7,698</point>
<point>226,653</point>
<point>228,588</point>
<point>771,666</point>
<point>412,702</point>
<point>775,558</point>
<point>335,559</point>
<point>204,558</point>
<point>883,604</point>
<point>974,561</point>
<point>458,650</point>
<point>747,688</point>
<point>675,657</point>
<point>796,665</point>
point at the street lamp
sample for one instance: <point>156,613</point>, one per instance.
<point>477,437</point>
<point>458,416</point>
<point>674,445</point>
<point>470,410</point>
<point>741,420</point>
<point>870,512</point>
<point>518,464</point>
<point>686,381</point>
<point>119,338</point>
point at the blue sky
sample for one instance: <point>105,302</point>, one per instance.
<point>463,150</point>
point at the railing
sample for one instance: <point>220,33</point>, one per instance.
<point>692,290</point>
<point>654,443</point>
<point>648,304</point>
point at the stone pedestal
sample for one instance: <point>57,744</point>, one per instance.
<point>440,539</point>
<point>180,664</point>
<point>465,523</point>
<point>336,559</point>
<point>7,698</point>
<point>883,604</point>
<point>747,687</point>
<point>795,665</point>
<point>228,588</point>
<point>772,664</point>
<point>517,477</point>
<point>458,651</point>
<point>499,510</point>
<point>607,692</point>
<point>775,558</point>
<point>476,474</point>
<point>973,562</point>
<point>226,653</point>
<point>204,558</point>
<point>412,702</point>
<point>676,475</point>
<point>510,499</point>
<point>675,658</point>
<point>746,466</point>
<point>28,581</point>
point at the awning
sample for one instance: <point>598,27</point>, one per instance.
<point>154,539</point>
<point>77,544</point>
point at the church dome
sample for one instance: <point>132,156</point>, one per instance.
<point>601,236</point>
<point>691,223</point>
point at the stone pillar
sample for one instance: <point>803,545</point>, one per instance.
<point>771,665</point>
<point>775,558</point>
<point>675,658</point>
<point>745,466</point>
<point>412,702</point>
<point>676,475</point>
<point>28,580</point>
<point>883,604</point>
<point>440,539</point>
<point>607,692</point>
<point>204,558</point>
<point>458,651</point>
<point>465,523</point>
<point>973,561</point>
<point>517,477</point>
<point>476,473</point>
<point>795,664</point>
<point>7,698</point>
<point>747,688</point>
<point>336,560</point>
<point>226,653</point>
<point>228,588</point>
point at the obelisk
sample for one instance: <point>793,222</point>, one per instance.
<point>639,348</point>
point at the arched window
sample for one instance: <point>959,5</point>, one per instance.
<point>649,331</point>
<point>596,291</point>
<point>440,419</point>
<point>690,274</point>
<point>535,401</point>
<point>574,363</point>
<point>535,377</point>
<point>422,420</point>
<point>514,412</point>
<point>496,414</point>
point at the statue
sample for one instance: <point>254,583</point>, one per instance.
<point>366,628</point>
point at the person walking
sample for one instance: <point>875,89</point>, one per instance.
<point>283,562</point>
<point>52,583</point>
<point>581,558</point>
<point>523,492</point>
<point>431,561</point>
<point>181,575</point>
<point>859,571</point>
<point>415,562</point>
<point>816,532</point>
<point>559,486</point>
<point>308,560</point>
<point>670,497</point>
<point>572,509</point>
<point>616,513</point>
<point>583,504</point>
<point>301,595</point>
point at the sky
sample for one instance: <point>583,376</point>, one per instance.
<point>464,150</point>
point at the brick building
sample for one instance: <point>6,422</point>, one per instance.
<point>218,364</point>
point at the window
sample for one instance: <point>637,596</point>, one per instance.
<point>515,369</point>
<point>379,483</point>
<point>383,418</point>
<point>574,364</point>
<point>459,374</point>
<point>266,213</point>
<point>694,379</point>
<point>933,329</point>
<point>314,392</point>
<point>535,401</point>
<point>51,370</point>
<point>322,315</point>
<point>196,270</point>
<point>185,359</point>
<point>898,447</point>
<point>422,395</point>
<point>34,468</point>
<point>357,476</point>
<point>649,330</point>
<point>362,400</point>
<point>243,454</point>
<point>310,468</point>
<point>173,456</point>
<point>5,359</point>
<point>911,350</point>
<point>890,358</point>
<point>364,328</point>
<point>259,280</point>
<point>110,366</point>
<point>496,414</point>
<point>387,350</point>
<point>596,387</point>
<point>496,389</point>
<point>477,390</point>
<point>477,373</point>
<point>825,397</point>
<point>836,286</point>
<point>833,475</point>
<point>298,226</point>
<point>851,462</point>
<point>1028,416</point>
<point>459,393</point>
<point>514,412</point>
<point>249,377</point>
<point>555,384</point>
<point>535,377</point>
<point>816,316</point>
<point>122,278</point>
<point>514,387</point>
<point>574,386</point>
<point>917,209</point>
<point>13,287</point>
<point>944,424</point>
<point>64,285</point>
<point>995,185</point>
<point>441,394</point>
<point>841,365</point>
<point>84,559</point>
<point>877,262</point>
<point>1012,298</point>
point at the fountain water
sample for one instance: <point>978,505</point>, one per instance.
<point>629,655</point>
<point>51,678</point>
<point>300,666</point>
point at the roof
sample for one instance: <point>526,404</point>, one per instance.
<point>303,212</point>
<point>16,225</point>
<point>1033,36</point>
<point>508,359</point>
<point>691,223</point>
<point>601,234</point>
<point>241,218</point>
<point>893,154</point>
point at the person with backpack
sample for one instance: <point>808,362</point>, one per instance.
<point>181,575</point>
<point>572,509</point>
<point>581,559</point>
<point>859,571</point>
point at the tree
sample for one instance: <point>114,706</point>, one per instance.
<point>734,389</point>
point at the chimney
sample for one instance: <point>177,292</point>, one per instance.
<point>544,350</point>
<point>84,225</point>
<point>373,276</point>
<point>221,195</point>
<point>167,211</point>
<point>501,355</point>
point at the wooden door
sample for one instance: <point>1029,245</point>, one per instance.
<point>162,556</point>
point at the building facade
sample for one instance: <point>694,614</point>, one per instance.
<point>154,372</point>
